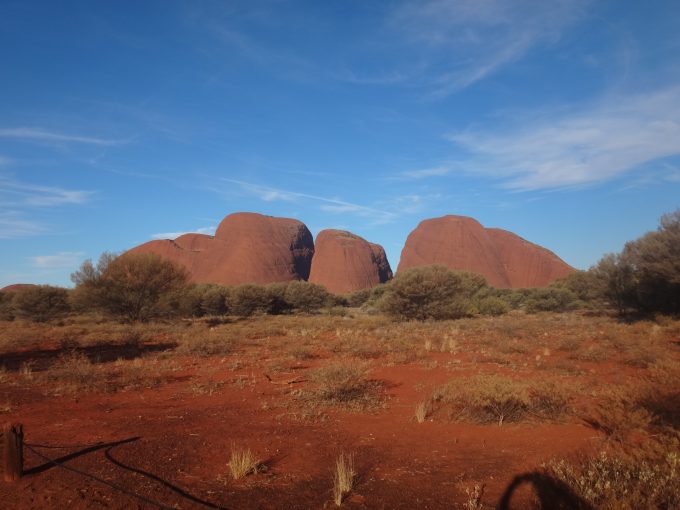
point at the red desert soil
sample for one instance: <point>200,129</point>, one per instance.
<point>246,248</point>
<point>170,442</point>
<point>503,258</point>
<point>344,262</point>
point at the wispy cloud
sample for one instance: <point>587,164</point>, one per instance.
<point>13,224</point>
<point>578,147</point>
<point>19,200</point>
<point>332,205</point>
<point>4,161</point>
<point>464,41</point>
<point>426,172</point>
<point>173,235</point>
<point>17,193</point>
<point>61,260</point>
<point>44,136</point>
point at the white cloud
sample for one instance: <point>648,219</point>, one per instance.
<point>579,147</point>
<point>44,136</point>
<point>63,259</point>
<point>333,205</point>
<point>464,41</point>
<point>174,235</point>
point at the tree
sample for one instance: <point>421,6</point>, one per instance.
<point>616,276</point>
<point>645,276</point>
<point>133,287</point>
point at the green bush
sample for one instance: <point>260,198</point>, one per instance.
<point>493,305</point>
<point>277,298</point>
<point>551,300</point>
<point>358,298</point>
<point>586,285</point>
<point>132,287</point>
<point>188,301</point>
<point>432,292</point>
<point>215,299</point>
<point>41,303</point>
<point>246,300</point>
<point>306,297</point>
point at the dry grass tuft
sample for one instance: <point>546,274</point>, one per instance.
<point>343,477</point>
<point>474,497</point>
<point>243,463</point>
<point>422,411</point>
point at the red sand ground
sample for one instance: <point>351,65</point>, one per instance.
<point>180,442</point>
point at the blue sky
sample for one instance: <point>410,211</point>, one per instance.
<point>126,121</point>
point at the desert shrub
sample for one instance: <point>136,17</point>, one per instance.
<point>72,372</point>
<point>516,298</point>
<point>492,305</point>
<point>496,399</point>
<point>306,297</point>
<point>432,292</point>
<point>132,287</point>
<point>585,285</point>
<point>6,307</point>
<point>188,301</point>
<point>618,483</point>
<point>277,298</point>
<point>358,298</point>
<point>246,300</point>
<point>550,300</point>
<point>41,303</point>
<point>214,300</point>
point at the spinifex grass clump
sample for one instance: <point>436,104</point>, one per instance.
<point>242,463</point>
<point>343,477</point>
<point>341,382</point>
<point>492,398</point>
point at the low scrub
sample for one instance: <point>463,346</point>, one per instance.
<point>496,399</point>
<point>41,303</point>
<point>617,483</point>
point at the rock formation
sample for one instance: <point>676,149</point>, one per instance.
<point>16,287</point>
<point>246,248</point>
<point>344,262</point>
<point>503,258</point>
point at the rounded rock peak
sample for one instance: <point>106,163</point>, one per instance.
<point>345,262</point>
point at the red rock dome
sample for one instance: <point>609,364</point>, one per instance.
<point>344,262</point>
<point>503,258</point>
<point>246,248</point>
